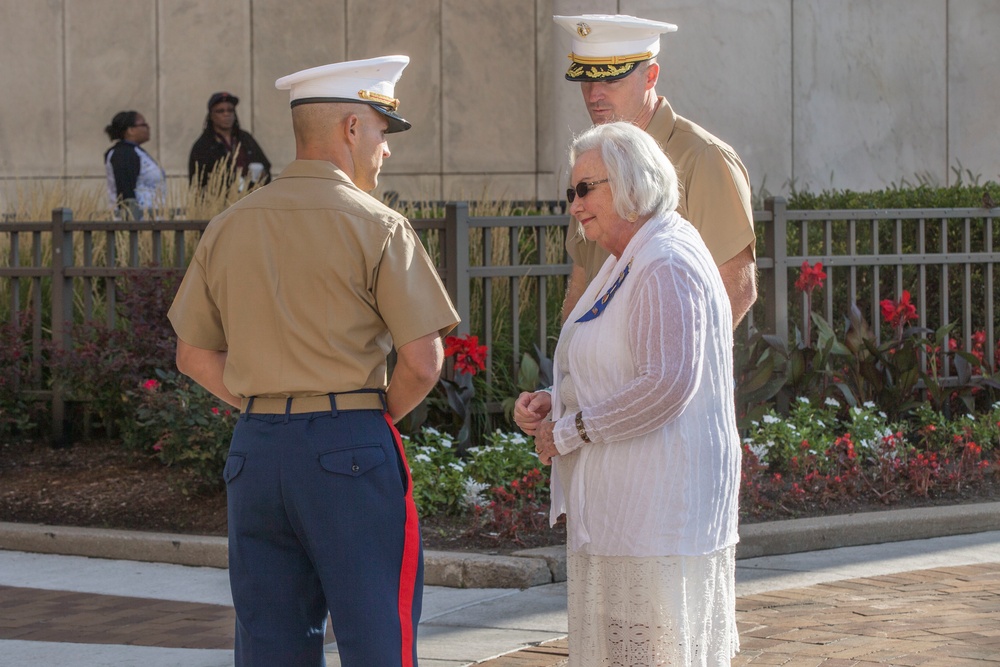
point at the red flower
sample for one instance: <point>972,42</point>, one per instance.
<point>810,277</point>
<point>215,411</point>
<point>470,356</point>
<point>898,313</point>
<point>151,385</point>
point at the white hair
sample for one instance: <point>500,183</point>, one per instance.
<point>643,181</point>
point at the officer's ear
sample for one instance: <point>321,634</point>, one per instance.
<point>652,74</point>
<point>352,126</point>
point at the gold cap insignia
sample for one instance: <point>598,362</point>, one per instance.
<point>582,29</point>
<point>377,98</point>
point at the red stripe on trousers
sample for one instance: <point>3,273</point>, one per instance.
<point>408,571</point>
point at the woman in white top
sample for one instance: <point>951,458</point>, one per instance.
<point>640,426</point>
<point>135,181</point>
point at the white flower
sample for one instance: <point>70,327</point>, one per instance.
<point>422,458</point>
<point>473,492</point>
<point>760,451</point>
<point>517,439</point>
<point>770,419</point>
<point>869,405</point>
<point>803,399</point>
<point>832,402</point>
<point>457,465</point>
<point>883,415</point>
<point>856,411</point>
<point>432,431</point>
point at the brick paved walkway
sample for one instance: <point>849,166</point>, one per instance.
<point>947,617</point>
<point>59,616</point>
<point>35,614</point>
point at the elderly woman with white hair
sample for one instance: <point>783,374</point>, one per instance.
<point>640,424</point>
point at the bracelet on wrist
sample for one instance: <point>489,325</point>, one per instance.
<point>580,428</point>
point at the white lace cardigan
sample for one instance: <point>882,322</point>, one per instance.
<point>653,375</point>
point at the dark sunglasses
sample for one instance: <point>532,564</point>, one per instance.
<point>581,189</point>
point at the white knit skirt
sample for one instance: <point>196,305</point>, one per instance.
<point>640,612</point>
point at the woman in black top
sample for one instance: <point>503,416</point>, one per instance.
<point>223,143</point>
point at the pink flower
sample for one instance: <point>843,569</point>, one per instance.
<point>151,385</point>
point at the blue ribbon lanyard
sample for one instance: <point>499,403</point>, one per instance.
<point>602,303</point>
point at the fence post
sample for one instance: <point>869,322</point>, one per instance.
<point>456,251</point>
<point>62,309</point>
<point>776,285</point>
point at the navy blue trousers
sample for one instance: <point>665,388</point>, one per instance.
<point>321,519</point>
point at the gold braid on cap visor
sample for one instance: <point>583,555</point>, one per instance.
<point>610,60</point>
<point>609,65</point>
<point>378,98</point>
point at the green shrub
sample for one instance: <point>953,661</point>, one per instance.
<point>102,361</point>
<point>440,483</point>
<point>444,483</point>
<point>960,195</point>
<point>506,457</point>
<point>17,416</point>
<point>182,425</point>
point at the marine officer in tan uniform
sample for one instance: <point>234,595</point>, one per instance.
<point>614,59</point>
<point>291,303</point>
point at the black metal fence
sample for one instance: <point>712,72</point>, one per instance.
<point>506,274</point>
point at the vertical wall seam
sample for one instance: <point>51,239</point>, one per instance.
<point>441,116</point>
<point>947,93</point>
<point>253,79</point>
<point>538,92</point>
<point>791,90</point>
<point>157,96</point>
<point>65,94</point>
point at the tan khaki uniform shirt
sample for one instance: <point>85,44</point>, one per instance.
<point>308,283</point>
<point>714,188</point>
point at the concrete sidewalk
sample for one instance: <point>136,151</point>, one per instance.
<point>74,610</point>
<point>531,567</point>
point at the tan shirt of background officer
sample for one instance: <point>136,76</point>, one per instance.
<point>351,138</point>
<point>634,98</point>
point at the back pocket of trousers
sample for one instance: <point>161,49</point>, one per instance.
<point>355,461</point>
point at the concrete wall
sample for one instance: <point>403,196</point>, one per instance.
<point>847,94</point>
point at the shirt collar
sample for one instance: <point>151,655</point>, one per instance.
<point>314,169</point>
<point>662,122</point>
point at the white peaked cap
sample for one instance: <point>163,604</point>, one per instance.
<point>607,47</point>
<point>370,82</point>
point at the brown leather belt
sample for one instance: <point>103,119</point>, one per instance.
<point>300,404</point>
